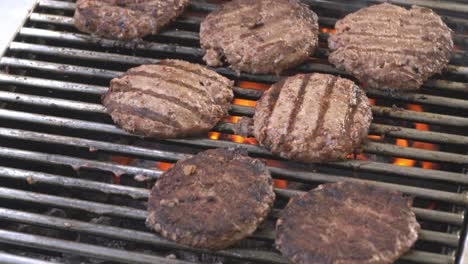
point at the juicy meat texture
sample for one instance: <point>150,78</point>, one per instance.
<point>312,117</point>
<point>126,19</point>
<point>347,223</point>
<point>259,36</point>
<point>168,100</point>
<point>390,47</point>
<point>211,200</point>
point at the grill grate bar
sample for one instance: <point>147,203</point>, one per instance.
<point>32,177</point>
<point>77,163</point>
<point>138,214</point>
<point>73,203</point>
<point>457,23</point>
<point>173,156</point>
<point>381,129</point>
<point>422,98</point>
<point>6,258</point>
<point>140,193</point>
<point>51,102</point>
<point>131,235</point>
<point>373,147</point>
<point>206,7</point>
<point>86,39</point>
<point>458,56</point>
<point>109,57</point>
<point>124,149</point>
<point>432,236</point>
<point>192,52</point>
<point>453,7</point>
<point>150,238</point>
<point>114,57</point>
<point>423,117</point>
<point>52,84</point>
<point>65,246</point>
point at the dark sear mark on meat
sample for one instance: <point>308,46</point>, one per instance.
<point>390,47</point>
<point>167,100</point>
<point>127,19</point>
<point>264,36</point>
<point>212,200</point>
<point>346,222</point>
<point>326,118</point>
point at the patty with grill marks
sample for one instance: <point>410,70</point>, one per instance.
<point>259,36</point>
<point>312,118</point>
<point>126,19</point>
<point>390,47</point>
<point>211,200</point>
<point>347,222</point>
<point>170,99</point>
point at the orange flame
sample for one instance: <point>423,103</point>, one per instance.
<point>402,161</point>
<point>416,144</point>
<point>232,119</point>
<point>375,137</point>
<point>278,183</point>
<point>244,102</point>
<point>328,30</point>
<point>252,85</point>
<point>164,166</point>
<point>214,135</point>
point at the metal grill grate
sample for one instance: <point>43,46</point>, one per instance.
<point>59,147</point>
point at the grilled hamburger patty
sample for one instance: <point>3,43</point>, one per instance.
<point>259,36</point>
<point>346,222</point>
<point>126,19</point>
<point>167,100</point>
<point>211,200</point>
<point>312,117</point>
<point>389,47</point>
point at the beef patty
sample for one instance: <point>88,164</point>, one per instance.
<point>211,200</point>
<point>126,19</point>
<point>167,100</point>
<point>262,36</point>
<point>389,47</point>
<point>312,117</point>
<point>345,222</point>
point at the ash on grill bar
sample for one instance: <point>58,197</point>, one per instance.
<point>74,187</point>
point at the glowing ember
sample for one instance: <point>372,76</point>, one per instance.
<point>278,183</point>
<point>232,119</point>
<point>416,144</point>
<point>328,30</point>
<point>402,161</point>
<point>214,135</point>
<point>357,156</point>
<point>252,85</point>
<point>163,165</point>
<point>375,137</point>
<point>121,160</point>
<point>244,102</point>
<point>241,140</point>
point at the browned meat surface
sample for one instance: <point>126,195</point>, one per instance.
<point>126,19</point>
<point>312,117</point>
<point>167,100</point>
<point>389,47</point>
<point>211,200</point>
<point>346,223</point>
<point>259,36</point>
